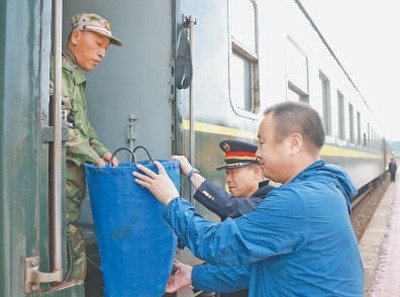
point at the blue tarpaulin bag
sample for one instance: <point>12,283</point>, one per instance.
<point>136,246</point>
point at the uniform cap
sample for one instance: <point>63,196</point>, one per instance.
<point>94,22</point>
<point>238,154</point>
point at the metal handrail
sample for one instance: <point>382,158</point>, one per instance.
<point>188,22</point>
<point>57,145</point>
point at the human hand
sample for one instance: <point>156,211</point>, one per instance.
<point>183,164</point>
<point>186,168</point>
<point>181,278</point>
<point>101,163</point>
<point>107,157</point>
<point>160,185</point>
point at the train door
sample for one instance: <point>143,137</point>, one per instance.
<point>130,95</point>
<point>31,234</point>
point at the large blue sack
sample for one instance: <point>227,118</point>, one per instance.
<point>136,246</point>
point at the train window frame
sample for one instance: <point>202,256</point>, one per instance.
<point>296,90</point>
<point>372,137</point>
<point>299,95</point>
<point>351,123</point>
<point>341,116</point>
<point>239,52</point>
<point>326,103</point>
<point>359,134</point>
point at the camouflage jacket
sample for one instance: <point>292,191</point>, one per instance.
<point>83,144</point>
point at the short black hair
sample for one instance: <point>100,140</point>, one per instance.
<point>291,117</point>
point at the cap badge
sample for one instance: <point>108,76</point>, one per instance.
<point>226,147</point>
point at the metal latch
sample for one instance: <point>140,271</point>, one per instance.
<point>33,277</point>
<point>130,133</point>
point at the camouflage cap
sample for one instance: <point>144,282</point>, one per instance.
<point>94,22</point>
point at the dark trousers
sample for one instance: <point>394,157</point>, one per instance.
<point>393,176</point>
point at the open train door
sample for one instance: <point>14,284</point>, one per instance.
<point>32,260</point>
<point>130,95</point>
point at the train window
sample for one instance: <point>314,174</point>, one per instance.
<point>326,103</point>
<point>243,21</point>
<point>241,82</point>
<point>297,72</point>
<point>372,145</point>
<point>341,121</point>
<point>244,71</point>
<point>372,138</point>
<point>365,140</point>
<point>358,128</point>
<point>296,94</point>
<point>351,122</point>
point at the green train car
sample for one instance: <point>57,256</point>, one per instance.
<point>245,56</point>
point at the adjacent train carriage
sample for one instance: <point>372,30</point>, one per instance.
<point>190,73</point>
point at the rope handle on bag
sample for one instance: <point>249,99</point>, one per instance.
<point>143,148</point>
<point>133,156</point>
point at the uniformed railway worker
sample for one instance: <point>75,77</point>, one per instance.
<point>88,41</point>
<point>247,186</point>
<point>244,178</point>
<point>298,241</point>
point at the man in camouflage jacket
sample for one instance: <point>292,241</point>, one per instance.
<point>87,43</point>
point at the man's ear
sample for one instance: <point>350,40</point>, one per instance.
<point>296,143</point>
<point>75,37</point>
<point>258,172</point>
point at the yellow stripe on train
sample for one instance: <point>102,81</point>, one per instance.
<point>332,151</point>
<point>327,150</point>
<point>221,130</point>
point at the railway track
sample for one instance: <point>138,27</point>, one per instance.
<point>364,207</point>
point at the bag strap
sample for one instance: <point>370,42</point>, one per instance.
<point>143,148</point>
<point>133,156</point>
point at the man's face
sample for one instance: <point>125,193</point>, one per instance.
<point>273,156</point>
<point>90,48</point>
<point>243,182</point>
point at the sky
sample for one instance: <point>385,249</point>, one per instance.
<point>365,36</point>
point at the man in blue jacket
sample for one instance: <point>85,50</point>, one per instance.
<point>299,240</point>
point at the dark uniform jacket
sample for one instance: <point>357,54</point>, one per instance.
<point>224,205</point>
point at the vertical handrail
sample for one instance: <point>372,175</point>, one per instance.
<point>56,194</point>
<point>189,22</point>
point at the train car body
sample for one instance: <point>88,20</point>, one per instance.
<point>244,56</point>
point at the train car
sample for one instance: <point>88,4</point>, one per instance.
<point>240,57</point>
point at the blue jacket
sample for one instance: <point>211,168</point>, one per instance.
<point>224,205</point>
<point>299,240</point>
